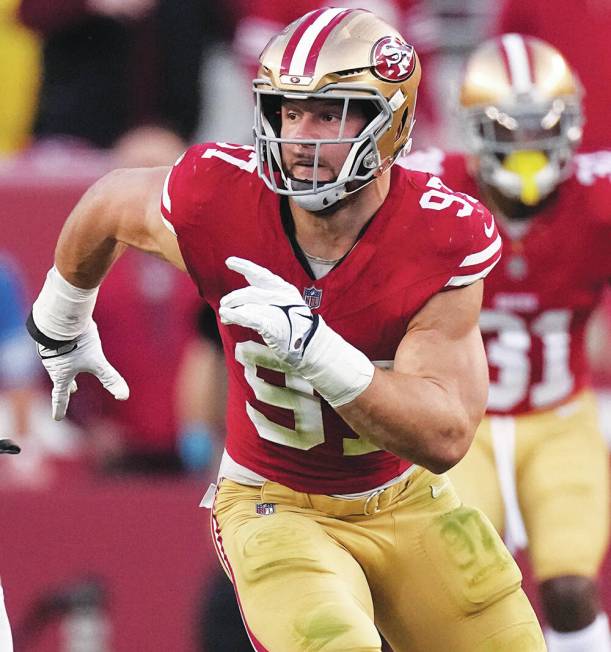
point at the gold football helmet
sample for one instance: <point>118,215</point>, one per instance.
<point>521,112</point>
<point>348,55</point>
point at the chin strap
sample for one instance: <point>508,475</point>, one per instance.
<point>316,201</point>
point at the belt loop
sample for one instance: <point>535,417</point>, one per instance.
<point>374,494</point>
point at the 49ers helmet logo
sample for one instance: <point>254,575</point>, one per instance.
<point>393,59</point>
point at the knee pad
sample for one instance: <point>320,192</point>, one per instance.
<point>569,590</point>
<point>569,602</point>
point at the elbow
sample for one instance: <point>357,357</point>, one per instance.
<point>444,460</point>
<point>450,445</point>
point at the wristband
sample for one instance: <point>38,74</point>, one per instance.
<point>338,371</point>
<point>61,312</point>
<point>38,336</point>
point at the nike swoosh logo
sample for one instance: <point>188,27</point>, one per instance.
<point>489,229</point>
<point>56,353</point>
<point>438,489</point>
<point>287,313</point>
<point>310,317</point>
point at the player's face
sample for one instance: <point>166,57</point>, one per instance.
<point>317,119</point>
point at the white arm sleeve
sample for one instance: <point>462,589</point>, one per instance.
<point>63,311</point>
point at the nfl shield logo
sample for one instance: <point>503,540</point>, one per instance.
<point>312,297</point>
<point>265,509</point>
<point>517,268</point>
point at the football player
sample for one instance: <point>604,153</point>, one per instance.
<point>539,466</point>
<point>333,516</point>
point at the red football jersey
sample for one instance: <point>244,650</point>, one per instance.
<point>539,298</point>
<point>423,239</point>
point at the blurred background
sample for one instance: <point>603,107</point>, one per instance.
<point>103,547</point>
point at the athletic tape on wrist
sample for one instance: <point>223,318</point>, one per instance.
<point>38,336</point>
<point>337,370</point>
<point>62,311</point>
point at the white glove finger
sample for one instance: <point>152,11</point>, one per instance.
<point>73,387</point>
<point>252,295</point>
<point>60,397</point>
<point>241,316</point>
<point>256,274</point>
<point>112,380</point>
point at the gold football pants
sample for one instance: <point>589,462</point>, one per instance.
<point>561,476</point>
<point>317,573</point>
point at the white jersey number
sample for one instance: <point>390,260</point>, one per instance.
<point>592,166</point>
<point>510,350</point>
<point>249,165</point>
<point>441,197</point>
<point>297,395</point>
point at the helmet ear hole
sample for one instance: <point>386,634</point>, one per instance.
<point>271,107</point>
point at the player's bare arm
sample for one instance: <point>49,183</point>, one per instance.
<point>428,406</point>
<point>119,210</point>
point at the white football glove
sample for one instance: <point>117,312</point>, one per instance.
<point>272,307</point>
<point>83,354</point>
<point>277,311</point>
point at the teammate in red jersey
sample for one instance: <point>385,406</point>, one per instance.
<point>332,517</point>
<point>539,466</point>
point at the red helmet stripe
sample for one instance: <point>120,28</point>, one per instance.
<point>531,60</point>
<point>518,62</point>
<point>301,53</point>
<point>505,59</point>
<point>310,64</point>
<point>306,21</point>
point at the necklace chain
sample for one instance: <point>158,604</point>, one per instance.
<point>318,259</point>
